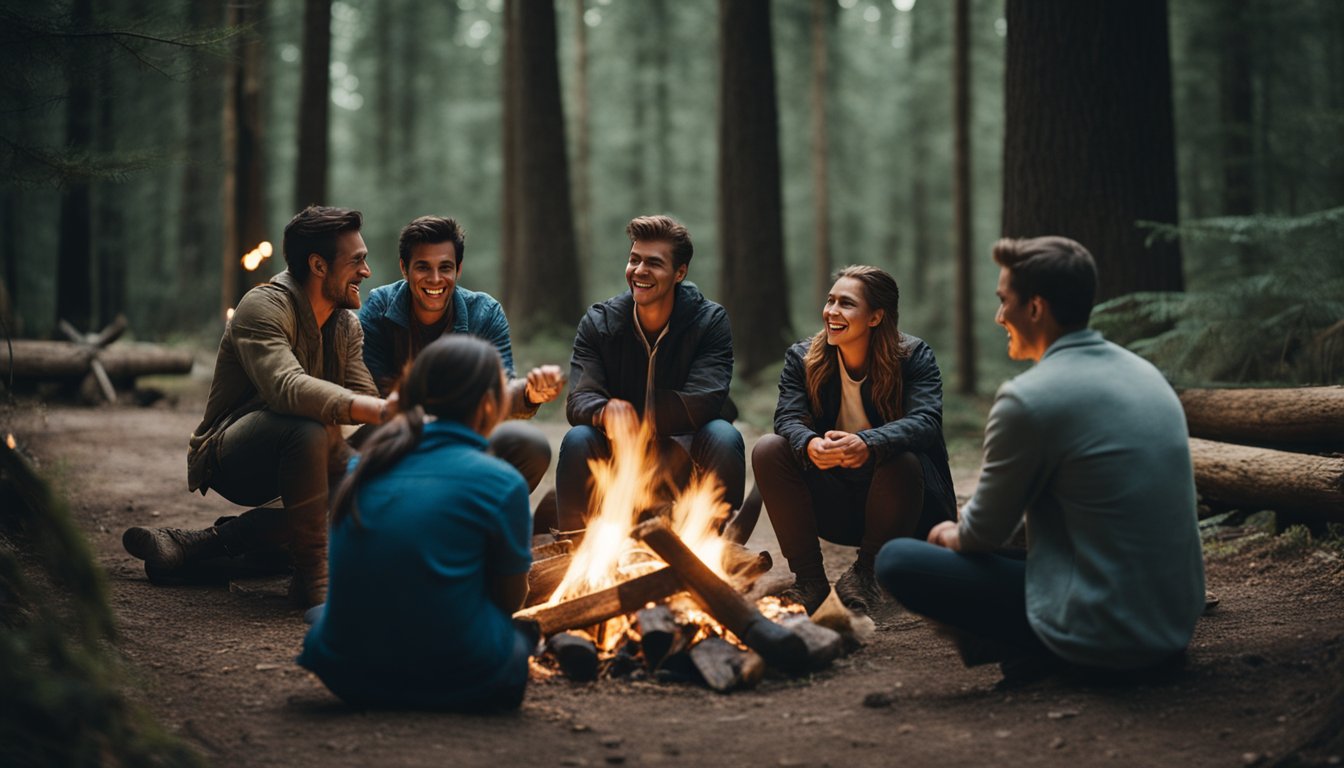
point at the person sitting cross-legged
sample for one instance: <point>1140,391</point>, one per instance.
<point>1091,444</point>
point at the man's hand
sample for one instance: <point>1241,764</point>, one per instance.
<point>365,409</point>
<point>618,417</point>
<point>544,384</point>
<point>851,450</point>
<point>945,534</point>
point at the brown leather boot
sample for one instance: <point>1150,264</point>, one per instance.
<point>165,550</point>
<point>308,550</point>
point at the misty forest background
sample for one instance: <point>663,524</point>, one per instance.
<point>1196,146</point>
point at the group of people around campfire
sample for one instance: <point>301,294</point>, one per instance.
<point>415,547</point>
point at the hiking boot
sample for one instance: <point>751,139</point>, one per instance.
<point>857,588</point>
<point>809,592</point>
<point>308,585</point>
<point>308,550</point>
<point>166,550</point>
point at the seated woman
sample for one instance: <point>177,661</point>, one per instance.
<point>430,548</point>
<point>857,457</point>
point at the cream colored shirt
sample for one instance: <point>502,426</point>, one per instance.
<point>851,417</point>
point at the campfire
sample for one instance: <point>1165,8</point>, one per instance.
<point>651,588</point>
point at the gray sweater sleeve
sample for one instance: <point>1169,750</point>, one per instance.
<point>1012,475</point>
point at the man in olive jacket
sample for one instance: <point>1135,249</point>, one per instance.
<point>290,370</point>
<point>660,352</point>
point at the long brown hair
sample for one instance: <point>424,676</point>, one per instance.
<point>448,380</point>
<point>885,350</point>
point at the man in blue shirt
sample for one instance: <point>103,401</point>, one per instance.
<point>402,318</point>
<point>1092,444</point>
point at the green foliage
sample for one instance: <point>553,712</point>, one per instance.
<point>61,679</point>
<point>1269,307</point>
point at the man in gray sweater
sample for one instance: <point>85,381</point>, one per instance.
<point>1091,444</point>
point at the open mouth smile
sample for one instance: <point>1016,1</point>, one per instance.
<point>435,291</point>
<point>641,286</point>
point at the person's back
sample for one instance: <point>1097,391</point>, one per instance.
<point>430,548</point>
<point>1114,574</point>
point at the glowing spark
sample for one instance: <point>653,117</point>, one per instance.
<point>228,314</point>
<point>253,258</point>
<point>10,441</point>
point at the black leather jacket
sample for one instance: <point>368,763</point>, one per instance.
<point>919,431</point>
<point>692,368</point>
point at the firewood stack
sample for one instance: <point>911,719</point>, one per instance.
<point>1278,449</point>
<point>662,645</point>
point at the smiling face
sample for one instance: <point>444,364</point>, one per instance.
<point>848,317</point>
<point>650,274</point>
<point>431,275</point>
<point>1020,318</point>
<point>349,267</point>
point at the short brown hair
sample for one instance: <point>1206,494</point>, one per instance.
<point>664,229</point>
<point>1057,269</point>
<point>314,230</point>
<point>431,230</point>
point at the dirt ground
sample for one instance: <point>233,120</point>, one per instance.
<point>1262,684</point>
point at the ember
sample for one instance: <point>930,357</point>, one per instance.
<point>662,597</point>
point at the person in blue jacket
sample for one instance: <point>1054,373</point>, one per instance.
<point>858,456</point>
<point>429,550</point>
<point>404,317</point>
<point>1090,445</point>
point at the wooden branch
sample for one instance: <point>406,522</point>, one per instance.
<point>544,577</point>
<point>1303,416</point>
<point>1261,478</point>
<point>577,655</point>
<point>626,597</point>
<point>780,647</point>
<point>719,662</point>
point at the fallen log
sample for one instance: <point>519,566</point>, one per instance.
<point>824,645</point>
<point>719,662</point>
<point>1306,416</point>
<point>780,647</point>
<point>544,576</point>
<point>597,607</point>
<point>1261,478</point>
<point>67,360</point>
<point>659,634</point>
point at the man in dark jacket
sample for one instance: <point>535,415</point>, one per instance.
<point>402,318</point>
<point>290,371</point>
<point>661,352</point>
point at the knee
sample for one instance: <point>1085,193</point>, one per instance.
<point>582,443</point>
<point>895,564</point>
<point>309,439</point>
<point>720,437</point>
<point>523,440</point>
<point>904,466</point>
<point>771,451</point>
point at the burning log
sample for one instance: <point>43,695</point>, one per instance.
<point>544,576</point>
<point>747,567</point>
<point>549,548</point>
<point>824,645</point>
<point>1312,416</point>
<point>577,655</point>
<point>1261,478</point>
<point>724,666</point>
<point>626,597</point>
<point>779,646</point>
<point>659,634</point>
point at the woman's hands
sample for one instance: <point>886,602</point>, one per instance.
<point>838,449</point>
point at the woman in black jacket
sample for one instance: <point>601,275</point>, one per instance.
<point>858,456</point>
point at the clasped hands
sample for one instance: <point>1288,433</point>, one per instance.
<point>838,449</point>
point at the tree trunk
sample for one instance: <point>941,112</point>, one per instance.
<point>1260,478</point>
<point>508,217</point>
<point>1309,416</point>
<point>961,194</point>
<point>544,296</point>
<point>753,281</point>
<point>244,182</point>
<point>383,23</point>
<point>200,184</point>
<point>110,247</point>
<point>310,185</point>
<point>821,188</point>
<point>583,206</point>
<point>74,250</point>
<point>1089,145</point>
<point>1235,89</point>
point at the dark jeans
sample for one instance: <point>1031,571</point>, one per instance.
<point>525,447</point>
<point>982,595</point>
<point>716,447</point>
<point>266,454</point>
<point>864,507</point>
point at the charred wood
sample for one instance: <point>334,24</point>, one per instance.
<point>544,576</point>
<point>577,655</point>
<point>588,610</point>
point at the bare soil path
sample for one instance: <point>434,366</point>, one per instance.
<point>1263,680</point>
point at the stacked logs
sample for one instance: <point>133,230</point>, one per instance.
<point>661,645</point>
<point>1279,449</point>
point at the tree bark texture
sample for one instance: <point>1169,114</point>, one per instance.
<point>820,30</point>
<point>74,249</point>
<point>753,281</point>
<point>310,185</point>
<point>961,193</point>
<point>44,360</point>
<point>1089,147</point>
<point>542,280</point>
<point>1309,416</point>
<point>1261,478</point>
